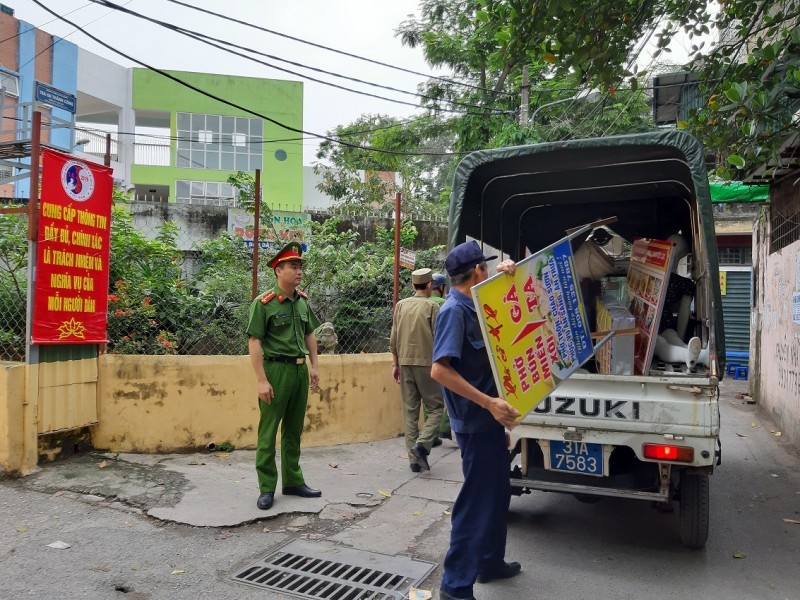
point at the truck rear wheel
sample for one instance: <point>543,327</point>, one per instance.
<point>694,513</point>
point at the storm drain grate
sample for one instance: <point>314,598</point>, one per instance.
<point>322,570</point>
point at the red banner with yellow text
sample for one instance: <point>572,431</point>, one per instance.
<point>71,287</point>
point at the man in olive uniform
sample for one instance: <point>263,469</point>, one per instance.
<point>411,343</point>
<point>282,343</point>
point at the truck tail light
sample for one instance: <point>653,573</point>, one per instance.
<point>668,452</point>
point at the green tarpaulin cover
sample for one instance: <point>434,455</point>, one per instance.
<point>735,191</point>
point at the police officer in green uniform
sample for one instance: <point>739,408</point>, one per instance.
<point>282,344</point>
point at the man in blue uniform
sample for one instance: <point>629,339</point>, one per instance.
<point>478,418</point>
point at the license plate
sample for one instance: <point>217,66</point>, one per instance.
<point>576,457</point>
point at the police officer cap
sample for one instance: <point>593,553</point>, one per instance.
<point>439,280</point>
<point>291,251</point>
<point>421,276</point>
<point>465,256</point>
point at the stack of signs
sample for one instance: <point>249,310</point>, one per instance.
<point>647,287</point>
<point>535,324</point>
<point>615,357</point>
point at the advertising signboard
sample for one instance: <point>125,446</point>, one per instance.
<point>286,227</point>
<point>647,288</point>
<point>535,324</point>
<point>71,287</point>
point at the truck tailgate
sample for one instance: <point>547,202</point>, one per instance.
<point>684,406</point>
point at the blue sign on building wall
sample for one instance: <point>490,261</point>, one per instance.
<point>55,97</point>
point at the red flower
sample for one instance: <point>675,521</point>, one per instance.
<point>113,298</point>
<point>118,313</point>
<point>167,345</point>
<point>146,300</point>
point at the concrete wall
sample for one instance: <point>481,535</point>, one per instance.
<point>775,338</point>
<point>12,396</point>
<point>173,403</point>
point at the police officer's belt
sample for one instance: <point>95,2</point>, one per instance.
<point>294,360</point>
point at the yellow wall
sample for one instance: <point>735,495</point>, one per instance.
<point>169,403</point>
<point>12,396</point>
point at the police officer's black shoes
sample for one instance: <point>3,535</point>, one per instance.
<point>301,490</point>
<point>504,571</point>
<point>415,468</point>
<point>419,452</point>
<point>445,596</point>
<point>265,500</point>
<point>437,441</point>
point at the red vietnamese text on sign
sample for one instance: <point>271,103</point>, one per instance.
<point>71,288</point>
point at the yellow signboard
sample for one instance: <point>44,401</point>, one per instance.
<point>723,283</point>
<point>535,324</point>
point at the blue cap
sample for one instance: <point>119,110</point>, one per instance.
<point>465,256</point>
<point>439,280</point>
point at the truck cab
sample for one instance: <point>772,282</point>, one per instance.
<point>648,433</point>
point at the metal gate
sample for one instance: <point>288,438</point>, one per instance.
<point>736,287</point>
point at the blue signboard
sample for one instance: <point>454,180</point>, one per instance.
<point>54,97</point>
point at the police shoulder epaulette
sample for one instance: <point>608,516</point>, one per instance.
<point>302,294</point>
<point>267,297</point>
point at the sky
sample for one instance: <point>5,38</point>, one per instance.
<point>363,27</point>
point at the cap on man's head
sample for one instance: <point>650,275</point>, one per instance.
<point>291,251</point>
<point>421,276</point>
<point>465,256</point>
<point>439,280</point>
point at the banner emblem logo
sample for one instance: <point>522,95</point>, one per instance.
<point>77,180</point>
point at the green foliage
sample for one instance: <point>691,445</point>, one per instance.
<point>352,175</point>
<point>350,282</point>
<point>13,285</point>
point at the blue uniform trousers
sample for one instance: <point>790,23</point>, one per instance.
<point>478,534</point>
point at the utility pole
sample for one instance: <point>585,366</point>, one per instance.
<point>525,97</point>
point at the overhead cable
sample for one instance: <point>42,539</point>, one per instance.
<point>251,111</point>
<point>226,46</point>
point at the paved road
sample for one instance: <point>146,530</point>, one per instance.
<point>624,549</point>
<point>613,549</point>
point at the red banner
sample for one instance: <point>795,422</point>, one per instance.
<point>71,287</point>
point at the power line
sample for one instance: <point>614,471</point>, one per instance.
<point>233,104</point>
<point>214,42</point>
<point>341,52</point>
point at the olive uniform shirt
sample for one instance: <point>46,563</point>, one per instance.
<point>281,323</point>
<point>412,331</point>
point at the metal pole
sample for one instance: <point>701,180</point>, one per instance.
<point>107,157</point>
<point>256,231</point>
<point>31,351</point>
<point>396,296</point>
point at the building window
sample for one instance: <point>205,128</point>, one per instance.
<point>10,84</point>
<point>219,142</point>
<point>733,255</point>
<point>204,192</point>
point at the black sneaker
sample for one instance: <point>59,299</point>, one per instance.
<point>437,441</point>
<point>415,468</point>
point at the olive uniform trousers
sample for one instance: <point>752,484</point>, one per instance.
<point>288,407</point>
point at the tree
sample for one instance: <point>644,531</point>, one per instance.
<point>352,175</point>
<point>751,78</point>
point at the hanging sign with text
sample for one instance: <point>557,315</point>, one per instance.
<point>535,325</point>
<point>71,288</point>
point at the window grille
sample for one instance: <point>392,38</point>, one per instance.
<point>784,229</point>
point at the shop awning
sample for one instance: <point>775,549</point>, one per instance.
<point>736,191</point>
